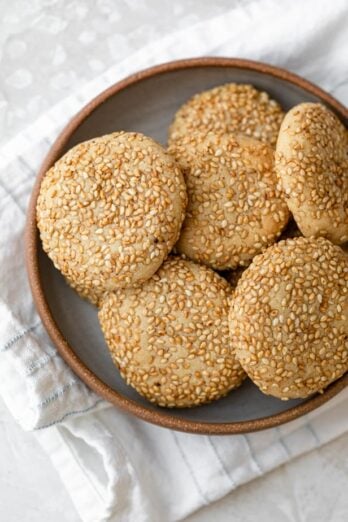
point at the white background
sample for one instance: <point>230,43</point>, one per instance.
<point>48,48</point>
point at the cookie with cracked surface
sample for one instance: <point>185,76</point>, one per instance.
<point>235,207</point>
<point>109,212</point>
<point>230,108</point>
<point>169,337</point>
<point>312,164</point>
<point>289,317</point>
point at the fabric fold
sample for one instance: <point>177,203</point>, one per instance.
<point>147,473</point>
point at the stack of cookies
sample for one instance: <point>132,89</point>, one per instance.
<point>218,258</point>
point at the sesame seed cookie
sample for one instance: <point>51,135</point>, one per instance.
<point>230,108</point>
<point>109,212</point>
<point>234,205</point>
<point>169,337</point>
<point>312,163</point>
<point>289,317</point>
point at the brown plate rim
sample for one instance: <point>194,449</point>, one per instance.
<point>161,418</point>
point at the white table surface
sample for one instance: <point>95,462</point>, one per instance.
<point>41,43</point>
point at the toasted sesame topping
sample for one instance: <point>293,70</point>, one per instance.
<point>231,108</point>
<point>169,337</point>
<point>235,207</point>
<point>312,164</point>
<point>289,317</point>
<point>109,212</point>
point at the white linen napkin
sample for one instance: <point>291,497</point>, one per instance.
<point>116,467</point>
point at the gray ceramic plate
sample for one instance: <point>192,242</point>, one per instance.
<point>146,103</point>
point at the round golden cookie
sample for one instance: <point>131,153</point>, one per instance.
<point>230,108</point>
<point>312,163</point>
<point>109,212</point>
<point>169,337</point>
<point>289,317</point>
<point>235,208</point>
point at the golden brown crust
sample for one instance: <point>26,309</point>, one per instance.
<point>170,338</point>
<point>289,317</point>
<point>312,163</point>
<point>109,212</point>
<point>230,108</point>
<point>235,207</point>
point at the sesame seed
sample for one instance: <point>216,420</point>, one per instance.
<point>105,221</point>
<point>229,108</point>
<point>235,209</point>
<point>294,341</point>
<point>312,165</point>
<point>188,349</point>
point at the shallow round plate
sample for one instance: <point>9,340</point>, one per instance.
<point>146,102</point>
